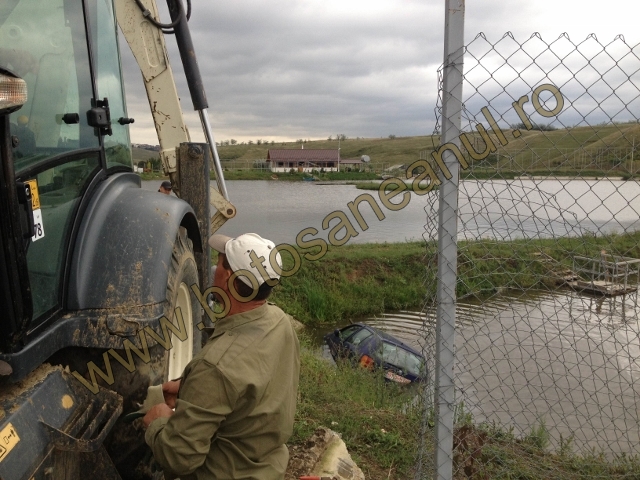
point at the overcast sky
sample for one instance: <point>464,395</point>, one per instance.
<point>290,69</point>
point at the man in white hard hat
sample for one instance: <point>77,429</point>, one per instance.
<point>235,403</point>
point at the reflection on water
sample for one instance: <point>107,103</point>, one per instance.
<point>569,360</point>
<point>504,209</point>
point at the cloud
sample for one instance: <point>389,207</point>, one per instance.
<point>288,69</point>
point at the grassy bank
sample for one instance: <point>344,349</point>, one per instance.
<point>389,188</point>
<point>382,434</point>
<point>295,176</point>
<point>562,152</point>
<point>357,280</point>
<point>366,411</point>
<point>354,280</point>
<point>153,176</point>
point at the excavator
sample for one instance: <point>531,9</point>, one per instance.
<point>101,281</point>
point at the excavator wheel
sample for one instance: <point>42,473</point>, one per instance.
<point>125,443</point>
<point>185,313</point>
<point>183,304</point>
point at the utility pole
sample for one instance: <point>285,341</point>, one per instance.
<point>447,241</point>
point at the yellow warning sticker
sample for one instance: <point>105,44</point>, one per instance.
<point>35,198</point>
<point>8,439</point>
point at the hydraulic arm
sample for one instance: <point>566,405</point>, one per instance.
<point>145,35</point>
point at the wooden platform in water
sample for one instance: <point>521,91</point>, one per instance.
<point>602,287</point>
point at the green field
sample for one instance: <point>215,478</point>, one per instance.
<point>608,149</point>
<point>142,155</point>
<point>587,150</point>
<point>384,152</point>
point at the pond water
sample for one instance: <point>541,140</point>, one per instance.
<point>279,210</point>
<point>569,360</point>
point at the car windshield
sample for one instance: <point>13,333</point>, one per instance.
<point>401,358</point>
<point>345,333</point>
<point>359,337</point>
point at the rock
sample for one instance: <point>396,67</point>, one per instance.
<point>323,455</point>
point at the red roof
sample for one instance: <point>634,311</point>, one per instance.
<point>290,154</point>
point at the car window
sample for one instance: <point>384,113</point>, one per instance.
<point>401,358</point>
<point>348,331</point>
<point>359,337</point>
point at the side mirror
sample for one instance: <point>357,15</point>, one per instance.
<point>336,332</point>
<point>13,92</point>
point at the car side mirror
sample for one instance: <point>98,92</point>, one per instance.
<point>336,332</point>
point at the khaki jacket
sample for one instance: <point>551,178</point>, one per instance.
<point>236,403</point>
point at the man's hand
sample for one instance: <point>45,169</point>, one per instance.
<point>158,411</point>
<point>170,392</point>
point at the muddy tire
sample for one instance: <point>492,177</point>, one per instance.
<point>133,457</point>
<point>182,308</point>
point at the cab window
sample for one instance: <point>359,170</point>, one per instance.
<point>57,192</point>
<point>346,332</point>
<point>45,44</point>
<point>109,80</point>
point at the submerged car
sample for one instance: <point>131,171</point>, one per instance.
<point>371,347</point>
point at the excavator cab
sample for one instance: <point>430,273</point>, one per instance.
<point>71,130</point>
<point>92,267</point>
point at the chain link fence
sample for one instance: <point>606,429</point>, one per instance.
<point>545,339</point>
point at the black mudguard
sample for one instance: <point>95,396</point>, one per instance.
<point>124,245</point>
<point>119,271</point>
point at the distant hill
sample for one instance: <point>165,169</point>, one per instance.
<point>382,151</point>
<point>598,148</point>
<point>143,155</point>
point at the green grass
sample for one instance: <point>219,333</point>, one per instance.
<point>363,408</point>
<point>364,279</point>
<point>153,176</point>
<point>382,151</point>
<point>143,155</point>
<point>355,280</point>
<point>560,151</point>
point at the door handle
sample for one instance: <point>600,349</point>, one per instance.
<point>24,199</point>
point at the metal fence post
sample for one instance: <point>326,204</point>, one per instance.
<point>447,240</point>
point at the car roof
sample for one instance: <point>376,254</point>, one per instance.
<point>388,337</point>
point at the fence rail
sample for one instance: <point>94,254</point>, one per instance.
<point>543,356</point>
